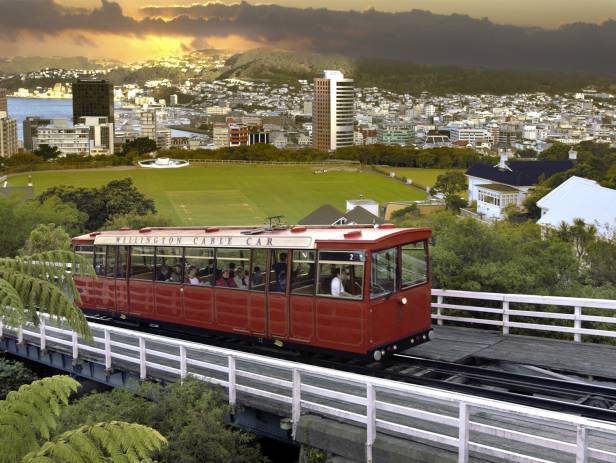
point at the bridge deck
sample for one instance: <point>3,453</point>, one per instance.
<point>455,344</point>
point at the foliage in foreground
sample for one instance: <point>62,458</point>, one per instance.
<point>12,375</point>
<point>190,415</point>
<point>29,417</point>
<point>40,283</point>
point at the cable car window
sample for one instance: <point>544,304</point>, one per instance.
<point>414,264</point>
<point>169,265</point>
<point>122,262</point>
<point>142,263</point>
<point>86,252</point>
<point>258,270</point>
<point>384,269</point>
<point>278,271</point>
<point>341,274</point>
<point>200,268</point>
<point>100,260</point>
<point>110,266</point>
<point>303,275</point>
<point>231,266</point>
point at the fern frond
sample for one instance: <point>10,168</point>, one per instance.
<point>37,294</point>
<point>30,413</point>
<point>12,310</point>
<point>115,441</point>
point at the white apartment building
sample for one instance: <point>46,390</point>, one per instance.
<point>69,140</point>
<point>8,135</point>
<point>101,134</point>
<point>333,111</point>
<point>220,135</point>
<point>470,135</point>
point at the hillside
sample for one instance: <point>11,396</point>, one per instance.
<point>21,64</point>
<point>405,77</point>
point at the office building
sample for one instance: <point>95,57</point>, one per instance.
<point>238,135</point>
<point>31,125</point>
<point>4,107</point>
<point>148,123</point>
<point>8,135</point>
<point>69,140</point>
<point>333,111</point>
<point>470,135</point>
<point>101,134</point>
<point>220,135</point>
<point>163,139</point>
<point>92,97</point>
<point>394,134</point>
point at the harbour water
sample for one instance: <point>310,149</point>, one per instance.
<point>51,108</point>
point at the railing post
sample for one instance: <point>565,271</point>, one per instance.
<point>463,428</point>
<point>505,318</point>
<point>183,369</point>
<point>107,350</point>
<point>20,335</point>
<point>1,329</point>
<point>43,335</point>
<point>142,365</point>
<point>577,324</point>
<point>581,455</point>
<point>439,311</point>
<point>75,346</point>
<point>296,401</point>
<point>232,381</point>
<point>370,420</point>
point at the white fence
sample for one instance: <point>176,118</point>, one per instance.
<point>466,425</point>
<point>568,313</point>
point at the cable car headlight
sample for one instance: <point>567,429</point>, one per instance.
<point>403,301</point>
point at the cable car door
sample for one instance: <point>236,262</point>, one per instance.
<point>277,300</point>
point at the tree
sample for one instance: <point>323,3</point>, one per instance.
<point>29,416</point>
<point>46,237</point>
<point>136,221</point>
<point>141,145</point>
<point>101,204</point>
<point>450,183</point>
<point>18,218</point>
<point>579,234</point>
<point>39,283</point>
<point>12,375</point>
<point>47,152</point>
<point>191,415</point>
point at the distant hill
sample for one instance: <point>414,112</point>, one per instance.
<point>21,64</point>
<point>404,76</point>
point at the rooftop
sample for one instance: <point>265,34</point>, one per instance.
<point>499,187</point>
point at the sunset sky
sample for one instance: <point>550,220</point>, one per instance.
<point>139,29</point>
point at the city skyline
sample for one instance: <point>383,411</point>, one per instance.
<point>440,32</point>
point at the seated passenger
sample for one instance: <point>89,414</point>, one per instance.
<point>337,287</point>
<point>240,279</point>
<point>225,280</point>
<point>192,276</point>
<point>176,275</point>
<point>163,273</point>
<point>257,277</point>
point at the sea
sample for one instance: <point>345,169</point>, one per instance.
<point>51,108</point>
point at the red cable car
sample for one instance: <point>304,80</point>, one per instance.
<point>357,290</point>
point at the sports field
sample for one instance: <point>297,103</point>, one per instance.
<point>233,194</point>
<point>423,177</point>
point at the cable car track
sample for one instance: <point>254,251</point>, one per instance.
<point>589,400</point>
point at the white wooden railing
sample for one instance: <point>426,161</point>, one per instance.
<point>459,422</point>
<point>447,305</point>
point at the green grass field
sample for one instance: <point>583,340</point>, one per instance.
<point>232,194</point>
<point>424,177</point>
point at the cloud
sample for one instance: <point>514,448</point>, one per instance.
<point>415,35</point>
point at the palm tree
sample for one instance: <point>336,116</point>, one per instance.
<point>29,415</point>
<point>41,283</point>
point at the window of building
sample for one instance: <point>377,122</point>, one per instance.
<point>169,265</point>
<point>414,263</point>
<point>341,274</point>
<point>200,268</point>
<point>303,275</point>
<point>142,263</point>
<point>384,269</point>
<point>231,268</point>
